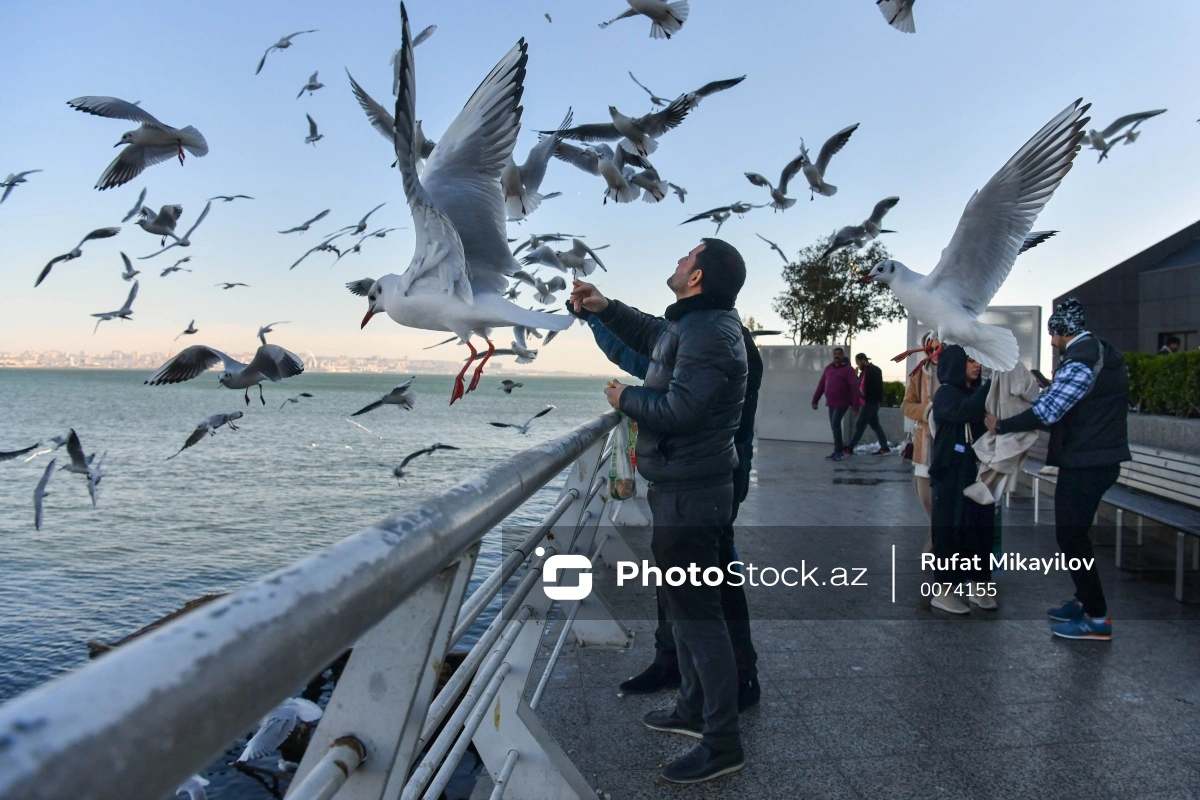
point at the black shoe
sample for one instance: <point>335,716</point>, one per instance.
<point>748,694</point>
<point>702,764</point>
<point>667,722</point>
<point>883,451</point>
<point>655,678</point>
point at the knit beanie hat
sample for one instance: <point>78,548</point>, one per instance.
<point>1067,318</point>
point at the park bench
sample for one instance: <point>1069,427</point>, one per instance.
<point>1162,486</point>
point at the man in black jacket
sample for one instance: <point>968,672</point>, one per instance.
<point>872,392</point>
<point>687,412</point>
<point>1086,408</point>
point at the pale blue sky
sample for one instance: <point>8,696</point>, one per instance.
<point>939,112</point>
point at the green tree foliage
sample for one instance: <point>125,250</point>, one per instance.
<point>1165,384</point>
<point>824,303</point>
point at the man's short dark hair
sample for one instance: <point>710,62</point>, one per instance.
<point>861,356</point>
<point>723,267</point>
<point>1173,340</point>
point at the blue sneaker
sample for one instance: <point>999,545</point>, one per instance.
<point>1099,630</point>
<point>1070,611</point>
<point>836,455</point>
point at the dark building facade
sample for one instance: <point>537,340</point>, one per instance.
<point>1143,301</point>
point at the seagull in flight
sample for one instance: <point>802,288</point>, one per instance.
<point>191,328</point>
<point>124,312</point>
<point>310,87</point>
<point>193,787</point>
<point>270,363</point>
<point>718,215</point>
<point>779,199</point>
<point>229,198</point>
<point>305,226</point>
<point>12,180</point>
<point>227,285</point>
<point>524,428</point>
<point>868,230</point>
<point>459,267</point>
<point>282,44</point>
<point>175,267</point>
<point>40,493</point>
<point>137,207</point>
<point>88,466</point>
<point>1105,139</point>
<point>398,469</point>
<point>277,725</point>
<point>898,14</point>
<point>152,142</point>
<point>76,252</point>
<point>355,230</point>
<point>383,122</point>
<point>186,241</point>
<point>505,386</point>
<point>265,329</point>
<point>666,18</point>
<point>640,134</point>
<point>295,399</point>
<point>985,244</point>
<point>521,182</point>
<point>774,247</point>
<point>161,224</point>
<point>538,239</point>
<point>402,396</point>
<point>313,135</point>
<point>130,273</point>
<point>208,427</point>
<point>815,173</point>
<point>9,455</point>
<point>655,100</point>
<point>326,246</point>
<point>580,259</point>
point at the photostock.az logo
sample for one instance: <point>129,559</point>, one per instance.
<point>550,572</point>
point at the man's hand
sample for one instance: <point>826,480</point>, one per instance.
<point>990,421</point>
<point>585,295</point>
<point>614,389</point>
<point>815,406</point>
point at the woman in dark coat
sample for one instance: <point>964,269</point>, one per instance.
<point>960,526</point>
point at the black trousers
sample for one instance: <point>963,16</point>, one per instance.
<point>688,528</point>
<point>1076,498</point>
<point>869,415</point>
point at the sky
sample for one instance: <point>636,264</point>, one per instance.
<point>939,112</point>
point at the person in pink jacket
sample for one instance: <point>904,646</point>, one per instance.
<point>839,384</point>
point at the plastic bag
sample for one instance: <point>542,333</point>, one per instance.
<point>621,474</point>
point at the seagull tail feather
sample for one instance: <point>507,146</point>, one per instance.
<point>193,141</point>
<point>994,347</point>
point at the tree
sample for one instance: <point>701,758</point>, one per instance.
<point>752,324</point>
<point>825,303</point>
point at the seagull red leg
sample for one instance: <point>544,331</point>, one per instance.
<point>179,144</point>
<point>479,370</point>
<point>457,393</point>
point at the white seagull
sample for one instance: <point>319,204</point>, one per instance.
<point>208,427</point>
<point>774,247</point>
<point>637,134</point>
<point>277,725</point>
<point>282,44</point>
<point>305,226</point>
<point>779,199</point>
<point>398,469</point>
<point>99,233</point>
<point>898,14</point>
<point>402,396</point>
<point>152,143</point>
<point>311,86</point>
<point>161,224</point>
<point>505,386</point>
<point>186,241</point>
<point>88,466</point>
<point>175,267</point>
<point>193,787</point>
<point>229,198</point>
<point>137,207</point>
<point>268,328</point>
<point>40,493</point>
<point>9,455</point>
<point>600,159</point>
<point>355,230</point>
<point>12,180</point>
<point>985,244</point>
<point>666,18</point>
<point>124,312</point>
<point>1105,139</point>
<point>457,274</point>
<point>524,428</point>
<point>191,328</point>
<point>867,230</point>
<point>521,183</point>
<point>580,259</point>
<point>130,273</point>
<point>270,363</point>
<point>382,121</point>
<point>313,135</point>
<point>815,173</point>
<point>295,399</point>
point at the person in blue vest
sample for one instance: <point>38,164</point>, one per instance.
<point>663,673</point>
<point>1086,409</point>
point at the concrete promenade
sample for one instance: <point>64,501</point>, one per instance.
<point>863,697</point>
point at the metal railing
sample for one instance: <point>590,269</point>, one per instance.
<point>141,719</point>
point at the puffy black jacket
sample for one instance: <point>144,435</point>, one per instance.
<point>691,403</point>
<point>956,407</point>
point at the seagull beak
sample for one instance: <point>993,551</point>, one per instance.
<point>118,144</point>
<point>861,279</point>
<point>367,318</point>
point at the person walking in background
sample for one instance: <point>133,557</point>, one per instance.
<point>871,390</point>
<point>917,406</point>
<point>839,384</point>
<point>960,526</point>
<point>663,672</point>
<point>687,413</point>
<point>1086,408</point>
<point>1170,346</point>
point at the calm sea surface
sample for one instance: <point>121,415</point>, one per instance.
<point>233,507</point>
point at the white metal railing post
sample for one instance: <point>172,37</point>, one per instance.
<point>383,693</point>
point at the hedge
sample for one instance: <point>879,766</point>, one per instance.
<point>1165,384</point>
<point>893,393</point>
